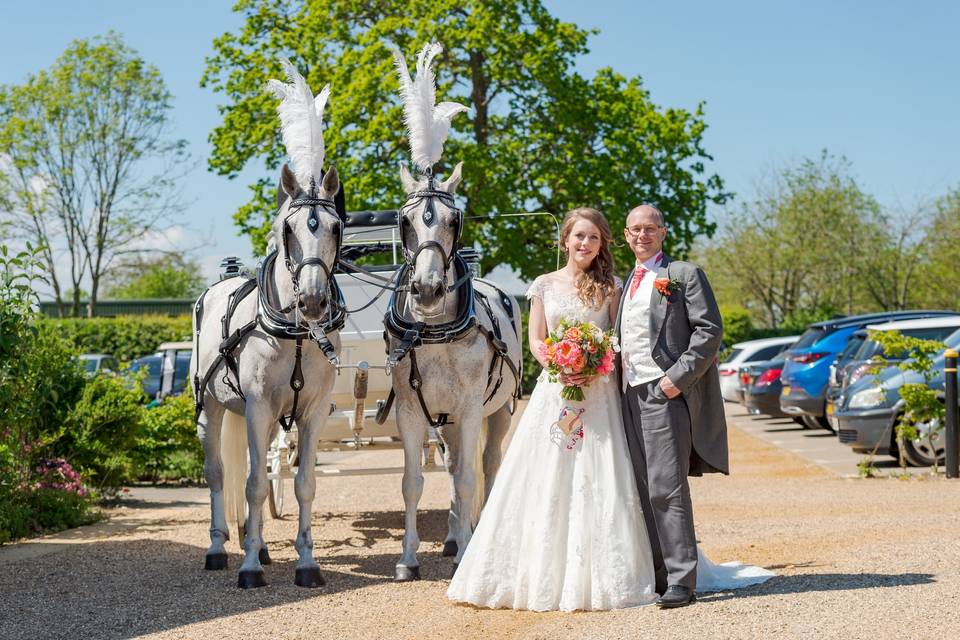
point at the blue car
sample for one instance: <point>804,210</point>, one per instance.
<point>807,367</point>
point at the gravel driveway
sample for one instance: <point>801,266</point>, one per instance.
<point>856,559</point>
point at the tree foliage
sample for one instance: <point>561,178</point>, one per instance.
<point>88,161</point>
<point>539,135</point>
<point>158,276</point>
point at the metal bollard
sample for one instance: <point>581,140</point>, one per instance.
<point>950,382</point>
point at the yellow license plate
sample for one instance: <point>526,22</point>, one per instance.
<point>786,391</point>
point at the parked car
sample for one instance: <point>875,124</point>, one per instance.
<point>807,365</point>
<point>851,365</point>
<point>744,353</point>
<point>176,367</point>
<point>152,365</point>
<point>761,384</point>
<point>868,410</point>
<point>94,363</point>
<point>167,370</point>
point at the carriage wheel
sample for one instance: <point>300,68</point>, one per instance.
<point>280,460</point>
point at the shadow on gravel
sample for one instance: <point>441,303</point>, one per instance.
<point>122,589</point>
<point>781,585</point>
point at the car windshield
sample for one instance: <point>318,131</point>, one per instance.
<point>151,363</point>
<point>89,365</point>
<point>853,348</point>
<point>181,371</point>
<point>733,355</point>
<point>810,337</point>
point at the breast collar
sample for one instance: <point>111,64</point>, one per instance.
<point>280,327</point>
<point>412,333</point>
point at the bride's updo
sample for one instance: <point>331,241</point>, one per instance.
<point>595,283</point>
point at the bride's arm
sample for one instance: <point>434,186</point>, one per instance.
<point>536,328</point>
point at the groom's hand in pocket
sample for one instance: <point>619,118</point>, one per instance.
<point>669,389</point>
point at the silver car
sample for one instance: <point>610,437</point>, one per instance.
<point>868,410</point>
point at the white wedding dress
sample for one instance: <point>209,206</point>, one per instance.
<point>562,528</point>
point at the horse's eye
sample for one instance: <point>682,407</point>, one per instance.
<point>335,228</point>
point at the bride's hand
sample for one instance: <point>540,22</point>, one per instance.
<point>575,380</point>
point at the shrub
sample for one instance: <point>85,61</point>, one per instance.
<point>101,432</point>
<point>167,447</point>
<point>125,337</point>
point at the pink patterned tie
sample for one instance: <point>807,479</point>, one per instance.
<point>638,274</point>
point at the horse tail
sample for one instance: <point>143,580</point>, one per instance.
<point>480,482</point>
<point>233,451</point>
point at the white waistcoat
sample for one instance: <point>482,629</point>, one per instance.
<point>635,348</point>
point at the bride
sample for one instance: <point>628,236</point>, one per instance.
<point>563,528</point>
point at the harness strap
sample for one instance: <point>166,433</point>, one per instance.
<point>296,383</point>
<point>417,383</point>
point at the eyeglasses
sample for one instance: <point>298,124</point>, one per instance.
<point>648,230</point>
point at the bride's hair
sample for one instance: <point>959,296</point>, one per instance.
<point>596,282</point>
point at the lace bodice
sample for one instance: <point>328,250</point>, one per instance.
<point>560,300</point>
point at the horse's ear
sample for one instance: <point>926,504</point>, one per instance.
<point>453,181</point>
<point>289,182</point>
<point>331,182</point>
<point>409,184</point>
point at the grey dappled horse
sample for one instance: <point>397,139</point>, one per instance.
<point>454,376</point>
<point>243,399</point>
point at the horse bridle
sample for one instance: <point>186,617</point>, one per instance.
<point>328,206</point>
<point>429,218</point>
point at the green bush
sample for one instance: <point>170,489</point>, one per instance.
<point>101,432</point>
<point>126,337</point>
<point>39,381</point>
<point>167,447</point>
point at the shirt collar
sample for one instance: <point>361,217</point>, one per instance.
<point>651,264</point>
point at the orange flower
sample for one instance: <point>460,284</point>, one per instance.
<point>573,333</point>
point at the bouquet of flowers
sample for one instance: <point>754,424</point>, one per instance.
<point>580,348</point>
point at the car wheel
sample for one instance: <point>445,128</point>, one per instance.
<point>810,422</point>
<point>799,421</point>
<point>825,423</point>
<point>922,451</point>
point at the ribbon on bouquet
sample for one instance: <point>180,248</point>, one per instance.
<point>567,431</point>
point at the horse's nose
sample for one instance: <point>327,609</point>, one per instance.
<point>438,289</point>
<point>313,306</point>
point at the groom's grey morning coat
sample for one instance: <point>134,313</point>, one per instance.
<point>686,330</point>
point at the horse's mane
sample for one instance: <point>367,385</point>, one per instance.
<point>427,123</point>
<point>302,118</point>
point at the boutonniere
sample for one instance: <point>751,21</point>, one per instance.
<point>666,286</point>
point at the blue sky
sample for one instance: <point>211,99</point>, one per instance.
<point>875,81</point>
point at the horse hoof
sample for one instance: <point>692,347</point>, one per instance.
<point>215,562</point>
<point>450,549</point>
<point>454,572</point>
<point>264,556</point>
<point>406,574</point>
<point>309,577</point>
<point>251,580</point>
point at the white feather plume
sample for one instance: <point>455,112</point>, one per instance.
<point>427,123</point>
<point>301,117</point>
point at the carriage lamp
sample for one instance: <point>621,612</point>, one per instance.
<point>230,267</point>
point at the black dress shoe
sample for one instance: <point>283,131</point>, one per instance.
<point>676,596</point>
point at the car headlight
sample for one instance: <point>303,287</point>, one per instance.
<point>868,398</point>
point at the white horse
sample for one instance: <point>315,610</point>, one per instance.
<point>457,364</point>
<point>247,383</point>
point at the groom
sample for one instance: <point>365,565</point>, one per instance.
<point>670,331</point>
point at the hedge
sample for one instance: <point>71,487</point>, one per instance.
<point>125,337</point>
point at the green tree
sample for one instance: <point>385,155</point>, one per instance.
<point>795,253</point>
<point>937,285</point>
<point>161,276</point>
<point>90,135</point>
<point>539,135</point>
